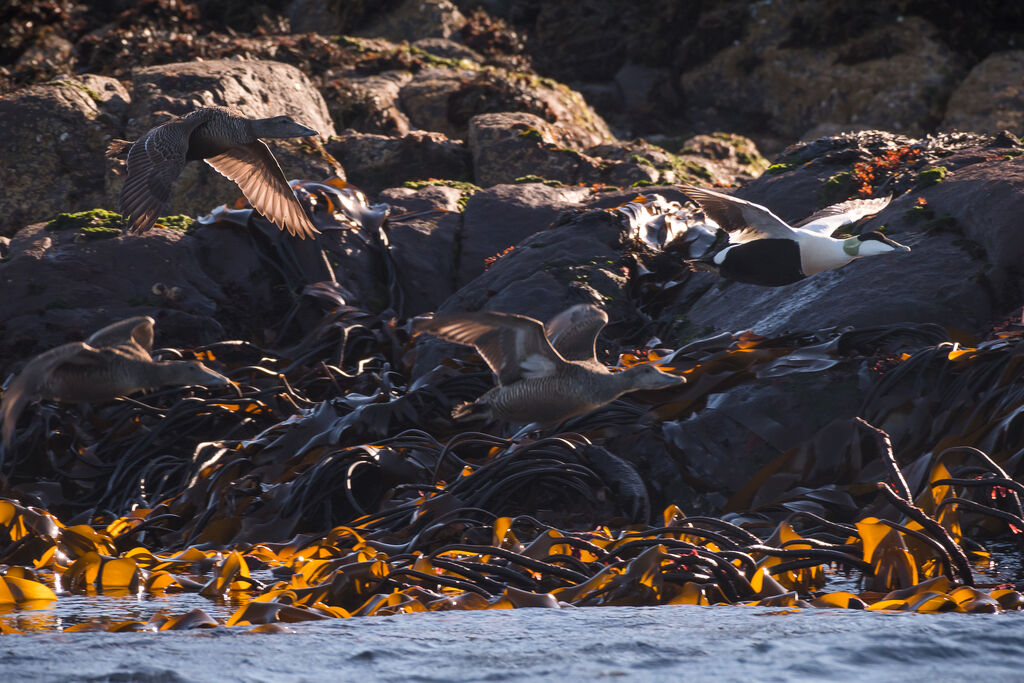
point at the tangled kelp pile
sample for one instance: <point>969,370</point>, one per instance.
<point>332,482</point>
<point>474,521</point>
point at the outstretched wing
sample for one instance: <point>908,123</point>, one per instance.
<point>831,218</point>
<point>513,346</point>
<point>262,181</point>
<point>154,164</point>
<point>744,220</point>
<point>138,329</point>
<point>573,332</point>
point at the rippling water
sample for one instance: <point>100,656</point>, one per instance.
<point>625,643</point>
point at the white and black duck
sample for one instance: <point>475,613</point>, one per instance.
<point>765,250</point>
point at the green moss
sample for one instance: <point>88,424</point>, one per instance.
<point>779,168</point>
<point>530,178</point>
<point>179,223</point>
<point>642,161</point>
<point>457,184</point>
<point>932,176</point>
<point>837,188</point>
<point>77,85</point>
<point>696,169</point>
<point>99,233</point>
<point>93,218</point>
<point>533,134</point>
<point>642,183</point>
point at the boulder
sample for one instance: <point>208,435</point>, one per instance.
<point>61,287</point>
<point>53,140</point>
<point>423,248</point>
<point>415,19</point>
<point>782,75</point>
<point>991,98</point>
<point>445,98</point>
<point>373,162</point>
<point>368,104</point>
<point>515,145</point>
<point>502,216</point>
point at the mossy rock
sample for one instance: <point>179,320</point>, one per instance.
<point>779,168</point>
<point>457,184</point>
<point>932,176</point>
<point>93,218</point>
<point>178,223</point>
<point>531,178</point>
<point>838,188</point>
<point>99,233</point>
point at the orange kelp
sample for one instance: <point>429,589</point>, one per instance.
<point>330,485</point>
<point>439,553</point>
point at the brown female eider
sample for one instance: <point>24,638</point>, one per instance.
<point>112,362</point>
<point>536,383</point>
<point>228,142</point>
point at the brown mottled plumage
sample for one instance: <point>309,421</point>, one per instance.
<point>228,142</point>
<point>112,362</point>
<point>536,383</point>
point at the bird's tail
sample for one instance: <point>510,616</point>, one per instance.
<point>704,263</point>
<point>470,410</point>
<point>118,149</point>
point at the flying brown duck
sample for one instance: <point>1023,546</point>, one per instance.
<point>537,383</point>
<point>225,140</point>
<point>112,362</point>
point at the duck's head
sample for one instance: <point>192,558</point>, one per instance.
<point>650,377</point>
<point>871,244</point>
<point>280,127</point>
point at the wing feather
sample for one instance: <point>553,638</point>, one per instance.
<point>259,176</point>
<point>573,332</point>
<point>749,221</point>
<point>513,346</point>
<point>831,218</point>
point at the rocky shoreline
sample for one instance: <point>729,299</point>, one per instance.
<point>504,191</point>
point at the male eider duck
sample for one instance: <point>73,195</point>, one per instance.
<point>112,362</point>
<point>536,383</point>
<point>228,142</point>
<point>764,250</point>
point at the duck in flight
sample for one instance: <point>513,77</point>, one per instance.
<point>546,374</point>
<point>228,142</point>
<point>112,362</point>
<point>765,250</point>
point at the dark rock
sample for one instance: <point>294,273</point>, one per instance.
<point>513,145</point>
<point>60,289</point>
<point>416,19</point>
<point>373,162</point>
<point>446,98</point>
<point>914,287</point>
<point>895,76</point>
<point>502,216</point>
<point>54,138</point>
<point>990,99</point>
<point>368,104</point>
<point>448,49</point>
<point>424,248</point>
